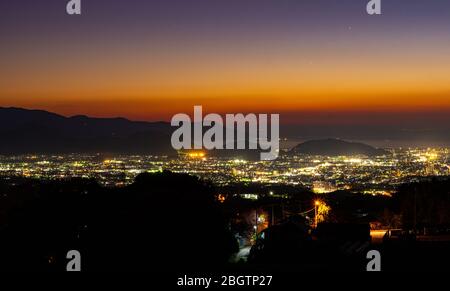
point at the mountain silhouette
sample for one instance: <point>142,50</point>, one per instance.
<point>41,132</point>
<point>336,147</point>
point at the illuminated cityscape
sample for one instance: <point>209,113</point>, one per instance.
<point>369,175</point>
<point>223,143</point>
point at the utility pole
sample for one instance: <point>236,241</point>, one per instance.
<point>315,216</point>
<point>273,215</point>
<point>256,223</point>
<point>316,205</point>
<point>415,211</point>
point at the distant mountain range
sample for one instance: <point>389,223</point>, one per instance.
<point>36,131</point>
<point>336,147</point>
<point>25,131</point>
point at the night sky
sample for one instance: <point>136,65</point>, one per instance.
<point>147,60</point>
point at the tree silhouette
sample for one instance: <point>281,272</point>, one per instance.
<point>163,220</point>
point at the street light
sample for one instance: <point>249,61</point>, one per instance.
<point>316,205</point>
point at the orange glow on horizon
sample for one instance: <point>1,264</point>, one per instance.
<point>164,108</point>
<point>277,79</point>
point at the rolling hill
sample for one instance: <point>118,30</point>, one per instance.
<point>336,147</point>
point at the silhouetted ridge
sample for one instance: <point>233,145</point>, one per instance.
<point>37,131</point>
<point>336,147</point>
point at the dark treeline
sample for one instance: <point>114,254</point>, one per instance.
<point>175,221</point>
<point>164,221</point>
<point>425,204</point>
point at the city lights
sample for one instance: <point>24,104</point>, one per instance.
<point>371,176</point>
<point>194,155</point>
